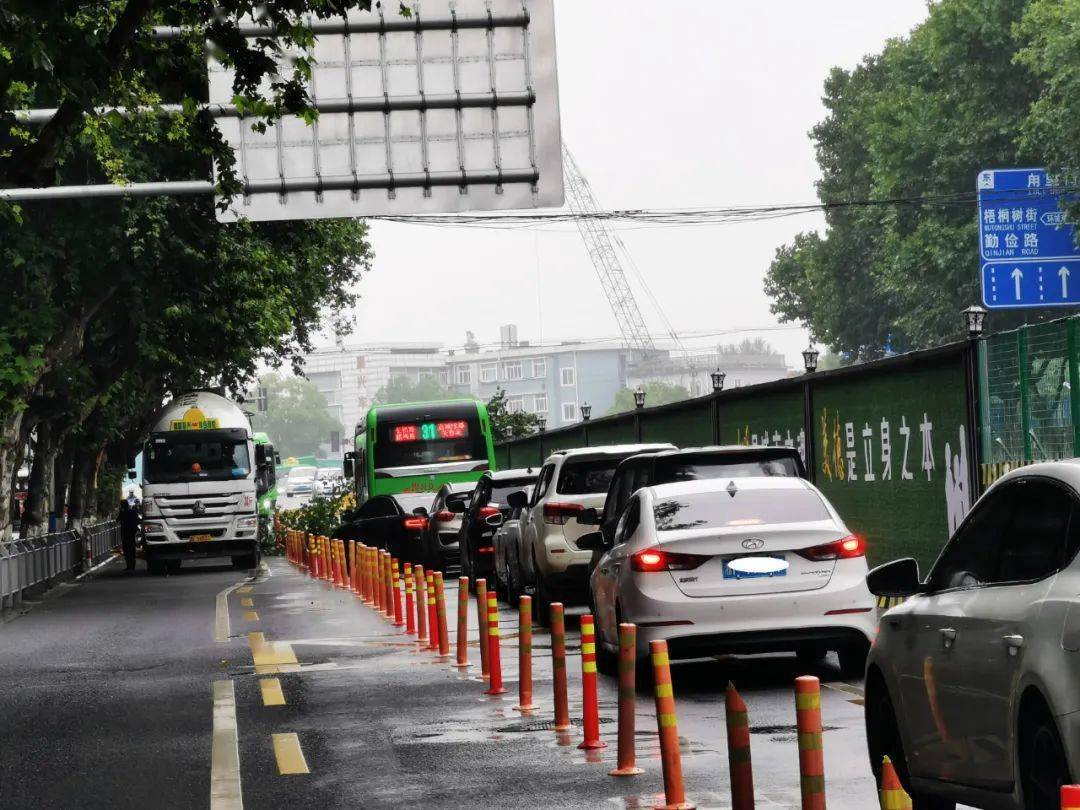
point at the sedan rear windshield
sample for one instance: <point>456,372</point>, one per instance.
<point>501,489</point>
<point>726,466</point>
<point>746,507</point>
<point>587,477</point>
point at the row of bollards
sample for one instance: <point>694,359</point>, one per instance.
<point>380,581</point>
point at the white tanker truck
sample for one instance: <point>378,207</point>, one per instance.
<point>199,484</point>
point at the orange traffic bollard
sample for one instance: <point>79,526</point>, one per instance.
<point>494,654</point>
<point>670,757</point>
<point>388,587</point>
<point>421,606</point>
<point>590,704</point>
<point>894,797</point>
<point>1070,797</point>
<point>354,569</point>
<point>811,755</point>
<point>313,562</point>
<point>738,737</point>
<point>462,622</point>
<point>557,622</point>
<point>627,766</point>
<point>410,615</point>
<point>525,682</point>
<point>399,619</point>
<point>481,619</point>
<point>377,580</point>
<point>432,615</point>
<point>440,613</point>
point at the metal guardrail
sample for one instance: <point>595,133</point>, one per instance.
<point>41,561</point>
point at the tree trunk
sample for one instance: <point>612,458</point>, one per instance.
<point>35,519</point>
<point>62,480</point>
<point>83,469</point>
<point>10,455</point>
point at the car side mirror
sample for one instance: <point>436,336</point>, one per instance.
<point>588,517</point>
<point>455,505</point>
<point>593,541</point>
<point>899,578</point>
<point>517,500</point>
<point>421,511</point>
<point>494,520</point>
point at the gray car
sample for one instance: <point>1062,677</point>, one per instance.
<point>972,685</point>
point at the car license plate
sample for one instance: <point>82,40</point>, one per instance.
<point>730,573</point>
<point>201,538</point>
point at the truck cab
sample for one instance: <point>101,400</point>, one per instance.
<point>200,484</point>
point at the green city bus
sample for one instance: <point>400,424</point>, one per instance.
<point>419,447</point>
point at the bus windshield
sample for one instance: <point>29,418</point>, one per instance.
<point>195,456</point>
<point>417,444</point>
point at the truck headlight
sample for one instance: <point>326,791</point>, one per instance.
<point>150,527</point>
<point>248,522</point>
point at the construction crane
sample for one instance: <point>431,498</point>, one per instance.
<point>601,247</point>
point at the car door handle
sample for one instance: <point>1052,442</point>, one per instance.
<point>948,636</point>
<point>1014,643</point>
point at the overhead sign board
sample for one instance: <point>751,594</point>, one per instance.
<point>454,108</point>
<point>1027,245</point>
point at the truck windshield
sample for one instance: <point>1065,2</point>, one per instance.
<point>172,459</point>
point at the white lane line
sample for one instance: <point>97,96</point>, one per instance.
<point>222,628</point>
<point>225,751</point>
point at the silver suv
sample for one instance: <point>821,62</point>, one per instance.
<point>971,687</point>
<point>570,482</point>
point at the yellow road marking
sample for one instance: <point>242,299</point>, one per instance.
<point>271,692</point>
<point>246,602</point>
<point>271,657</point>
<point>224,751</point>
<point>245,589</point>
<point>290,757</point>
<point>251,616</point>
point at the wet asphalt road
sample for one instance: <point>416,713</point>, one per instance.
<point>108,701</point>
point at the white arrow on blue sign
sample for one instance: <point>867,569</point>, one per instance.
<point>1031,284</point>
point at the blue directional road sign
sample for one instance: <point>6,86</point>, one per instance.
<point>1014,285</point>
<point>1030,258</point>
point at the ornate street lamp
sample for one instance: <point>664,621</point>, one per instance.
<point>586,412</point>
<point>810,358</point>
<point>541,423</point>
<point>974,316</point>
<point>718,380</point>
<point>639,398</point>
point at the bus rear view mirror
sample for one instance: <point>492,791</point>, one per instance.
<point>347,465</point>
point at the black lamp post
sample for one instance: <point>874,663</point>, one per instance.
<point>586,412</point>
<point>974,318</point>
<point>541,423</point>
<point>718,378</point>
<point>810,358</point>
<point>639,398</point>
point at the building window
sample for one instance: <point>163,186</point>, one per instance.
<point>539,367</point>
<point>444,377</point>
<point>463,375</point>
<point>569,411</point>
<point>568,376</point>
<point>513,370</point>
<point>515,404</point>
<point>540,405</point>
<point>489,372</point>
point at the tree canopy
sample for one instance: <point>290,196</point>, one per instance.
<point>980,84</point>
<point>656,393</point>
<point>401,389</point>
<point>296,418</point>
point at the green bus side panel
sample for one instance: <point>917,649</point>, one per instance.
<point>421,483</point>
<point>689,425</point>
<point>614,430</point>
<point>892,456</point>
<point>773,418</point>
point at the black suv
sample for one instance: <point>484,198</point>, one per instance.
<point>485,512</point>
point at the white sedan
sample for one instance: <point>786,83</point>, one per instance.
<point>746,565</point>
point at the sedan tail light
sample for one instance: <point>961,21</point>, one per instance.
<point>652,560</point>
<point>844,549</point>
<point>415,524</point>
<point>559,514</point>
<point>444,516</point>
<point>487,511</point>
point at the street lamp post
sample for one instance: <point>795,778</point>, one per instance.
<point>541,428</point>
<point>639,406</point>
<point>586,415</point>
<point>810,359</point>
<point>718,378</point>
<point>974,318</point>
<point>974,321</point>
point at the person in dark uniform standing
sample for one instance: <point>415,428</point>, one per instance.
<point>129,519</point>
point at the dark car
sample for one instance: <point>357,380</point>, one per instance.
<point>439,542</point>
<point>485,512</point>
<point>670,466</point>
<point>391,522</point>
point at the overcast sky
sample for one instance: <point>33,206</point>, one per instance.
<point>704,104</point>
